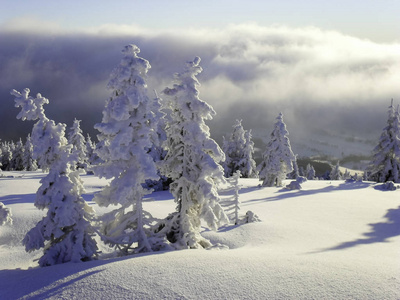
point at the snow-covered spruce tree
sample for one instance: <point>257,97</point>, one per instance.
<point>124,142</point>
<point>346,175</point>
<point>92,157</point>
<point>250,167</point>
<point>277,160</point>
<point>11,165</point>
<point>65,232</point>
<point>233,148</point>
<point>239,150</point>
<point>6,157</point>
<point>191,163</point>
<point>17,156</point>
<point>78,142</point>
<point>296,172</point>
<point>28,161</point>
<point>365,176</point>
<point>310,172</point>
<point>385,164</point>
<point>5,215</point>
<point>335,173</point>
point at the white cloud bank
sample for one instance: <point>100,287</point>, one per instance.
<point>318,79</point>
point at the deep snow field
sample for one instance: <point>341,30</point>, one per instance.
<point>330,240</point>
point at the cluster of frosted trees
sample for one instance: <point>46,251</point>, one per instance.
<point>129,149</point>
<point>17,156</point>
<point>143,143</point>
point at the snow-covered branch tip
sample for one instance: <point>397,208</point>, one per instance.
<point>31,108</point>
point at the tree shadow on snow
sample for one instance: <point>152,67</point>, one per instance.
<point>18,198</point>
<point>21,175</point>
<point>380,232</point>
<point>285,193</point>
<point>46,282</point>
<point>353,185</point>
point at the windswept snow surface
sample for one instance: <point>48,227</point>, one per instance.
<point>330,240</point>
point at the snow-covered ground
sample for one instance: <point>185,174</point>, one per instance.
<point>330,240</point>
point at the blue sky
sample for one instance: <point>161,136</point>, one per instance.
<point>372,19</point>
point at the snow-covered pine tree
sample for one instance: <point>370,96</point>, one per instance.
<point>11,165</point>
<point>296,172</point>
<point>385,164</point>
<point>28,161</point>
<point>249,169</point>
<point>17,156</point>
<point>233,148</point>
<point>302,173</point>
<point>310,172</point>
<point>346,175</point>
<point>158,137</point>
<point>191,163</point>
<point>92,157</point>
<point>124,142</point>
<point>6,157</point>
<point>78,142</point>
<point>365,176</point>
<point>65,232</point>
<point>239,149</point>
<point>335,173</point>
<point>5,214</point>
<point>277,160</point>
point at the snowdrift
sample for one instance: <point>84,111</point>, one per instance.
<point>329,240</point>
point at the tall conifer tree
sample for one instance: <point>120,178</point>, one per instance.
<point>124,143</point>
<point>277,160</point>
<point>385,164</point>
<point>65,232</point>
<point>191,162</point>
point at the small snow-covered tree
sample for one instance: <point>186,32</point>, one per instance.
<point>335,173</point>
<point>239,149</point>
<point>6,157</point>
<point>249,169</point>
<point>191,163</point>
<point>92,157</point>
<point>310,172</point>
<point>296,172</point>
<point>28,161</point>
<point>124,143</point>
<point>233,148</point>
<point>365,176</point>
<point>277,160</point>
<point>17,156</point>
<point>385,164</point>
<point>65,232</point>
<point>78,142</point>
<point>5,215</point>
<point>346,174</point>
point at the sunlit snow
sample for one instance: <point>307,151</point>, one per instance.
<point>329,240</point>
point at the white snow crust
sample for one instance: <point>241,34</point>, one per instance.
<point>329,240</point>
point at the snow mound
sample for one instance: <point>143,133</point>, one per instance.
<point>329,240</point>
